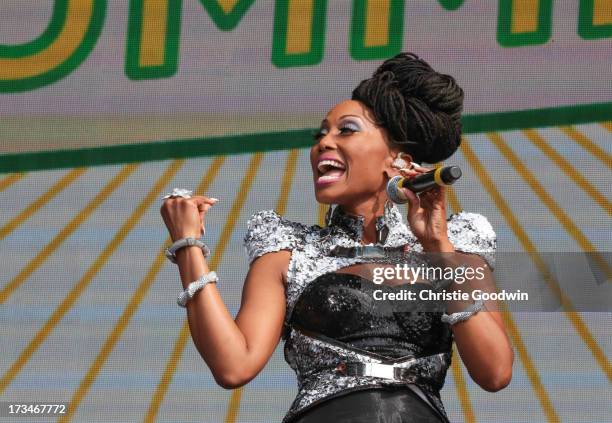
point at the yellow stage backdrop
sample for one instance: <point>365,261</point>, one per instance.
<point>106,105</point>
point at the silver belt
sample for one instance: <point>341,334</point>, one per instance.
<point>392,371</point>
<point>385,371</point>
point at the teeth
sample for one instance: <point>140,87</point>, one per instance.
<point>328,178</point>
<point>331,163</point>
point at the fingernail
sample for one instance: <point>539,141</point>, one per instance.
<point>214,199</point>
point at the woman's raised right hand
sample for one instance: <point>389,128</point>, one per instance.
<point>184,217</point>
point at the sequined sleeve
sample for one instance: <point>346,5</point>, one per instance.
<point>267,231</point>
<point>472,233</point>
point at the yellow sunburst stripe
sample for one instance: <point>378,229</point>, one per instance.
<point>588,145</point>
<point>283,198</point>
<point>460,384</point>
<point>66,231</point>
<point>607,125</point>
<point>100,261</point>
<point>530,368</point>
<point>58,187</point>
<point>461,387</point>
<point>528,246</point>
<point>517,341</point>
<point>130,309</point>
<point>568,169</point>
<point>9,180</point>
<point>453,201</point>
<point>171,366</point>
<point>462,392</point>
<point>224,237</point>
<point>281,205</point>
<point>321,214</point>
<point>551,204</point>
<point>233,406</point>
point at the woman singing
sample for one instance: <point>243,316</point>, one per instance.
<point>358,358</point>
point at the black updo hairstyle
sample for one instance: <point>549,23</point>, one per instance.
<point>419,107</point>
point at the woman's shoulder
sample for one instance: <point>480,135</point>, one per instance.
<point>473,233</point>
<point>268,231</point>
<point>475,222</point>
<point>270,220</point>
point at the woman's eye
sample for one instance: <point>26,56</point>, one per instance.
<point>347,130</point>
<point>318,135</point>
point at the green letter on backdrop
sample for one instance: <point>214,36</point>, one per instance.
<point>595,19</point>
<point>299,32</point>
<point>524,22</point>
<point>154,33</point>
<point>376,29</point>
<point>68,39</point>
<point>154,29</point>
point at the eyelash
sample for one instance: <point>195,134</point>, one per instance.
<point>320,134</point>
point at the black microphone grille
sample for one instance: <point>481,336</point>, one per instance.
<point>450,174</point>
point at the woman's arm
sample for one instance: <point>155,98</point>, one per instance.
<point>481,340</point>
<point>236,350</point>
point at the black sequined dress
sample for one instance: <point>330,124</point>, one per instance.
<point>333,317</point>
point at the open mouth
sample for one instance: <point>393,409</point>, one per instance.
<point>329,170</point>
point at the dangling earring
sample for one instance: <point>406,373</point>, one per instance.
<point>399,162</point>
<point>389,210</point>
<point>328,215</point>
<point>382,224</point>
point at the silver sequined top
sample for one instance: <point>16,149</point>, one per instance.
<point>312,359</point>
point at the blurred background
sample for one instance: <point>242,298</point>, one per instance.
<point>106,105</point>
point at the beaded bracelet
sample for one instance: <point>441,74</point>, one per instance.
<point>194,287</point>
<point>185,242</point>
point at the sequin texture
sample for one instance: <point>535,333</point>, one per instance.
<point>314,360</point>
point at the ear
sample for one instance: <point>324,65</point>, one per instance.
<point>391,168</point>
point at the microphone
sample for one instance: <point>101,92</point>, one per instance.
<point>423,182</point>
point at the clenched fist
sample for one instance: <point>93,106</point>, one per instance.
<point>184,217</point>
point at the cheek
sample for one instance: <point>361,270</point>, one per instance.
<point>366,169</point>
<point>312,156</point>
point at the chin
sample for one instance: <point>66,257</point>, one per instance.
<point>326,195</point>
<point>323,198</point>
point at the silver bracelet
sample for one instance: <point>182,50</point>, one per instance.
<point>460,316</point>
<point>185,242</point>
<point>194,287</point>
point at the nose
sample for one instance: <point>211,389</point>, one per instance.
<point>326,142</point>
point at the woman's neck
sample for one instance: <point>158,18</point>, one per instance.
<point>370,210</point>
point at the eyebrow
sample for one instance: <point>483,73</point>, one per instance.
<point>343,116</point>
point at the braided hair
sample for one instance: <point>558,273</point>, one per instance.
<point>419,107</point>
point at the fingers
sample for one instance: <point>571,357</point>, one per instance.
<point>414,202</point>
<point>413,170</point>
<point>201,199</point>
<point>204,204</point>
<point>201,202</point>
<point>176,212</point>
<point>424,199</point>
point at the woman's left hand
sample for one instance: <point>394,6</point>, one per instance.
<point>427,214</point>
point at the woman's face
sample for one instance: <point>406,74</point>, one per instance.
<point>350,156</point>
